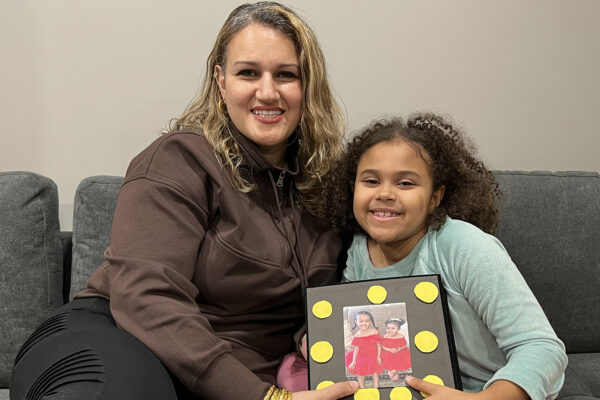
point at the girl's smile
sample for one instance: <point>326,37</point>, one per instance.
<point>363,321</point>
<point>391,330</point>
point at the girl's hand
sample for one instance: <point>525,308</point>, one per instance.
<point>303,347</point>
<point>333,392</point>
<point>379,360</point>
<point>438,392</point>
<point>352,365</point>
<point>498,390</point>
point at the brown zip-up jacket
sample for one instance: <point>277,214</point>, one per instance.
<point>206,276</point>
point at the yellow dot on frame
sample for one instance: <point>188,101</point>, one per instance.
<point>427,292</point>
<point>377,294</point>
<point>322,309</point>
<point>426,341</point>
<point>324,384</point>
<point>400,393</point>
<point>432,379</point>
<point>367,394</point>
<point>321,351</point>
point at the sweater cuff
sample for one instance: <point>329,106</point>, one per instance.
<point>227,379</point>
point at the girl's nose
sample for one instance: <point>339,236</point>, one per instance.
<point>385,194</point>
<point>267,89</point>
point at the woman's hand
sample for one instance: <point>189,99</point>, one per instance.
<point>333,392</point>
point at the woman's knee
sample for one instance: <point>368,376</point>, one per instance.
<point>80,351</point>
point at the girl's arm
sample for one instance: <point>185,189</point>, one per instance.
<point>354,354</point>
<point>483,274</point>
<point>379,353</point>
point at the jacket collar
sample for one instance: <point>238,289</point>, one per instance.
<point>254,159</point>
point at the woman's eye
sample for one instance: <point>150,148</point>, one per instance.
<point>246,72</point>
<point>288,75</point>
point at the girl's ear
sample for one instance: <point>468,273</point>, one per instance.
<point>436,198</point>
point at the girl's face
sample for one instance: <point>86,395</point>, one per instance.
<point>393,194</point>
<point>363,321</point>
<point>391,329</point>
<point>261,86</point>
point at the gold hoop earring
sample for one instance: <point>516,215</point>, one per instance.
<point>222,107</point>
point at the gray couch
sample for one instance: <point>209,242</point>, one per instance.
<point>550,225</point>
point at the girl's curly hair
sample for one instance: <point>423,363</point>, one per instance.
<point>471,193</point>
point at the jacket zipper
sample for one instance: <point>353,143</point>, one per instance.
<point>281,178</point>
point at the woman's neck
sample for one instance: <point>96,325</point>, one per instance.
<point>274,155</point>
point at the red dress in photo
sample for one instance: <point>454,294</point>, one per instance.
<point>366,359</point>
<point>395,361</point>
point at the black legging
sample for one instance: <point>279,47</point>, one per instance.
<point>79,353</point>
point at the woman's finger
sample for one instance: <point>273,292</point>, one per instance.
<point>333,392</point>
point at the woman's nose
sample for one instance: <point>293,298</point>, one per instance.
<point>267,89</point>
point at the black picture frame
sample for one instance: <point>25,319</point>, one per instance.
<point>426,312</point>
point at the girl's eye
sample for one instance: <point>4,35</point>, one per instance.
<point>406,184</point>
<point>370,181</point>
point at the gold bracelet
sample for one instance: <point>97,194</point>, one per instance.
<point>280,394</point>
<point>269,393</point>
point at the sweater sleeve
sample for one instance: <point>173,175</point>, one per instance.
<point>157,231</point>
<point>494,287</point>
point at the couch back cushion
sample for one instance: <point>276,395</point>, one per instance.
<point>550,225</point>
<point>30,260</point>
<point>95,201</point>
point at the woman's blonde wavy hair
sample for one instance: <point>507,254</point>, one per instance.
<point>321,124</point>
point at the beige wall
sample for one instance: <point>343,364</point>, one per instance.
<point>86,84</point>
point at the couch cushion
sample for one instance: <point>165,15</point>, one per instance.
<point>95,201</point>
<point>30,260</point>
<point>581,377</point>
<point>550,226</point>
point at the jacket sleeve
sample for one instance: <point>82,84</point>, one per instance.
<point>498,293</point>
<point>157,231</point>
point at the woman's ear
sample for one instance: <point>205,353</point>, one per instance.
<point>219,75</point>
<point>436,198</point>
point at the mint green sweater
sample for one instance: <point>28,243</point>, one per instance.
<point>500,330</point>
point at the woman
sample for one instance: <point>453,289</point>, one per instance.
<point>214,237</point>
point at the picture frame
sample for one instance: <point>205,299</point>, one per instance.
<point>404,321</point>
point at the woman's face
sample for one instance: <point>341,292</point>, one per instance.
<point>262,88</point>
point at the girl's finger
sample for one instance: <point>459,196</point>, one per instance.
<point>421,385</point>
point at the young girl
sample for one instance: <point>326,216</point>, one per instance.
<point>418,201</point>
<point>365,358</point>
<point>396,355</point>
